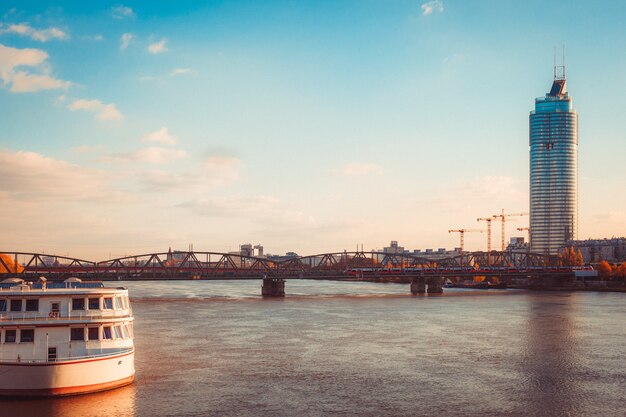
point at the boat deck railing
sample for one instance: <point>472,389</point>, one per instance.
<point>115,352</point>
<point>58,316</point>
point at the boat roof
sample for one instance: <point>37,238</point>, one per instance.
<point>71,286</point>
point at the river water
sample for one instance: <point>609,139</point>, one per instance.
<point>214,348</point>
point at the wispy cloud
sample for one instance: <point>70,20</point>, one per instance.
<point>432,7</point>
<point>104,112</point>
<point>32,176</point>
<point>158,47</point>
<point>214,172</point>
<point>125,40</point>
<point>262,209</point>
<point>122,12</point>
<point>40,35</point>
<point>149,155</point>
<point>24,81</point>
<point>357,169</point>
<point>182,71</point>
<point>162,136</point>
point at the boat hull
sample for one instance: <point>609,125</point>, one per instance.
<point>67,378</point>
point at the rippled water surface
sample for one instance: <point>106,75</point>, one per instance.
<point>334,348</point>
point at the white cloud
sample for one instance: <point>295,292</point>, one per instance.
<point>157,155</point>
<point>162,136</point>
<point>260,209</point>
<point>216,171</point>
<point>432,6</point>
<point>105,112</point>
<point>122,12</point>
<point>32,176</point>
<point>157,47</point>
<point>41,35</point>
<point>357,170</point>
<point>125,40</point>
<point>182,71</point>
<point>22,81</point>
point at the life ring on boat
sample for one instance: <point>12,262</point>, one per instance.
<point>53,314</point>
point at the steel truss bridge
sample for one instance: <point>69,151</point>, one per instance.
<point>219,266</point>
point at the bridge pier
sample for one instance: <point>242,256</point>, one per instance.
<point>435,285</point>
<point>273,287</point>
<point>418,285</point>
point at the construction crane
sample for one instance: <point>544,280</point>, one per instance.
<point>462,232</point>
<point>502,218</point>
<point>488,220</point>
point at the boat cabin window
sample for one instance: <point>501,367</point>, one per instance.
<point>52,354</point>
<point>77,333</point>
<point>128,329</point>
<point>3,305</point>
<point>117,330</point>
<point>32,305</point>
<point>55,307</point>
<point>27,335</point>
<point>107,303</point>
<point>10,336</point>
<point>92,333</point>
<point>78,303</point>
<point>16,305</point>
<point>94,304</point>
<point>107,334</point>
<point>118,303</point>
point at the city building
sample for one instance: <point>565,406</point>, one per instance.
<point>393,248</point>
<point>595,250</point>
<point>553,168</point>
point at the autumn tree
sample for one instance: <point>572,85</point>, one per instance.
<point>620,271</point>
<point>604,269</point>
<point>571,257</point>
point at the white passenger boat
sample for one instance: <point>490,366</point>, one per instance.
<point>64,338</point>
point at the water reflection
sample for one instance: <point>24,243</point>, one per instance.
<point>551,358</point>
<point>117,402</point>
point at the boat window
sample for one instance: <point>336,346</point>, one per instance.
<point>124,331</point>
<point>92,333</point>
<point>118,332</point>
<point>129,330</point>
<point>77,333</point>
<point>108,303</point>
<point>9,336</point>
<point>3,305</point>
<point>94,304</point>
<point>32,305</point>
<point>55,307</point>
<point>106,333</point>
<point>16,305</point>
<point>78,303</point>
<point>27,335</point>
<point>52,354</point>
<point>118,303</point>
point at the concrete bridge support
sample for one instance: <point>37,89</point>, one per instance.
<point>273,287</point>
<point>435,285</point>
<point>418,285</point>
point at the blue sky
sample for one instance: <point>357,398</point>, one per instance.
<point>305,126</point>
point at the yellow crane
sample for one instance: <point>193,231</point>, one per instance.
<point>502,218</point>
<point>488,220</point>
<point>462,232</point>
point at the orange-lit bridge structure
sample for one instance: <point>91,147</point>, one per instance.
<point>219,266</point>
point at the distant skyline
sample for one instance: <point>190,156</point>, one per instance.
<point>130,127</point>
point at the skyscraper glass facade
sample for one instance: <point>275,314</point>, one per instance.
<point>553,171</point>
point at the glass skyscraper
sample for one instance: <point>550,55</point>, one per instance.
<point>553,170</point>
